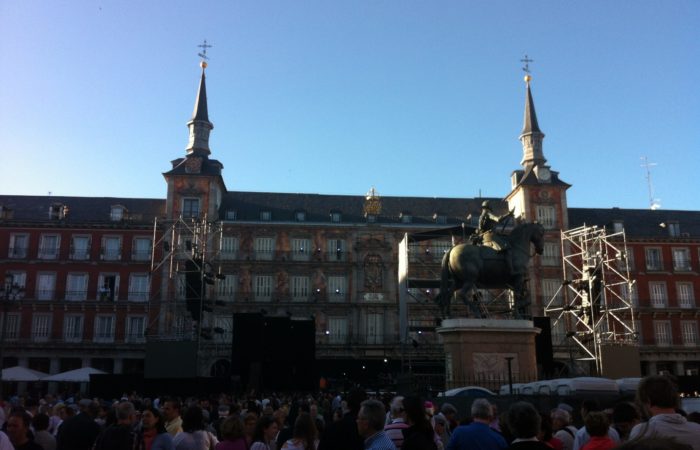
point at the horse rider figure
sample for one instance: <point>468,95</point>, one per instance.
<point>487,236</point>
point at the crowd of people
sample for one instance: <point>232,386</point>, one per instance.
<point>351,421</point>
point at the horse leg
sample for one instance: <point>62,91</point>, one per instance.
<point>464,292</point>
<point>476,304</point>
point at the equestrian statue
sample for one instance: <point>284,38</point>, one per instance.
<point>490,261</point>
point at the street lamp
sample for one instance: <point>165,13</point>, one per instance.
<point>9,291</point>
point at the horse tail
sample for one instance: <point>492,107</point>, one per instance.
<point>445,279</point>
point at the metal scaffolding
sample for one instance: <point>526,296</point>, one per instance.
<point>593,306</point>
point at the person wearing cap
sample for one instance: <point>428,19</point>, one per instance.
<point>80,431</point>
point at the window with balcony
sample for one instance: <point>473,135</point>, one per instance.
<point>551,292</point>
<point>264,248</point>
<point>18,286</point>
<point>76,286</point>
<point>550,255</point>
<point>685,294</point>
<point>658,294</point>
<point>46,286</point>
<point>689,333</point>
<point>300,288</point>
<point>681,260</point>
<point>225,328</point>
<point>108,287</point>
<point>11,327</point>
<point>337,286</point>
<point>80,248</point>
<point>439,248</point>
<point>629,294</point>
<point>653,258</point>
<point>41,327</point>
<point>190,208</point>
<point>375,328</point>
<point>111,248</point>
<point>625,260</point>
<point>138,287</point>
<point>226,288</point>
<point>48,246</point>
<point>301,249</point>
<point>141,249</point>
<point>337,330</point>
<point>336,250</point>
<point>135,329</point>
<point>262,285</point>
<point>662,333</point>
<point>547,216</point>
<point>19,245</point>
<point>104,328</point>
<point>73,328</point>
<point>229,247</point>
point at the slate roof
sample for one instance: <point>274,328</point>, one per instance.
<point>639,223</point>
<point>318,207</point>
<point>528,177</point>
<point>29,208</point>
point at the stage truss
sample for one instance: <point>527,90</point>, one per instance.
<point>593,306</point>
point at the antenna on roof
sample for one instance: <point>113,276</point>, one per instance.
<point>654,203</point>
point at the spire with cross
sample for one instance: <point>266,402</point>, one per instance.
<point>525,60</point>
<point>203,54</point>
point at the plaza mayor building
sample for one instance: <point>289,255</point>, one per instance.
<point>102,282</point>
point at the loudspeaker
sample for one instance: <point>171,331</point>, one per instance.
<point>543,343</point>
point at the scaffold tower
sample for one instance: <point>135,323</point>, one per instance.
<point>593,306</point>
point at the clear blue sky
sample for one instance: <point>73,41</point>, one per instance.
<point>419,98</point>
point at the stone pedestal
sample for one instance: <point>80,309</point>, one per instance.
<point>477,351</point>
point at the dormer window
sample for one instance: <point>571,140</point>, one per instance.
<point>231,215</point>
<point>5,212</point>
<point>440,218</point>
<point>58,211</point>
<point>618,226</point>
<point>336,216</point>
<point>406,217</point>
<point>116,213</point>
<point>265,216</point>
<point>300,216</point>
<point>674,229</point>
<point>371,218</point>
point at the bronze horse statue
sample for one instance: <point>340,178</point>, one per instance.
<point>467,267</point>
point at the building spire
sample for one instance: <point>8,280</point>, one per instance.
<point>531,137</point>
<point>199,125</point>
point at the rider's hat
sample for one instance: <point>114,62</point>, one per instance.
<point>486,204</point>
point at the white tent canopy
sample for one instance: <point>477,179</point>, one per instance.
<point>76,376</point>
<point>19,373</point>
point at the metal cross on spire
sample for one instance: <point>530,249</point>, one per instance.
<point>525,60</point>
<point>204,47</point>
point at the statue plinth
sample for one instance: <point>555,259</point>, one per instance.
<point>477,352</point>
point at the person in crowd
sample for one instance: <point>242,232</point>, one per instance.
<point>654,443</point>
<point>562,428</point>
<point>58,415</point>
<point>194,436</point>
<point>419,435</point>
<point>249,422</point>
<point>121,435</point>
<point>582,436</point>
<point>304,436</point>
<point>223,412</point>
<point>440,428</point>
<point>449,412</point>
<point>171,412</point>
<point>80,431</point>
<point>625,416</point>
<point>524,423</point>
<point>394,429</point>
<point>5,443</point>
<point>154,436</point>
<point>659,398</point>
<point>265,433</point>
<point>370,425</point>
<point>41,432</point>
<point>18,424</point>
<point>232,435</point>
<point>545,435</point>
<point>478,434</point>
<point>597,425</point>
<point>343,435</point>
